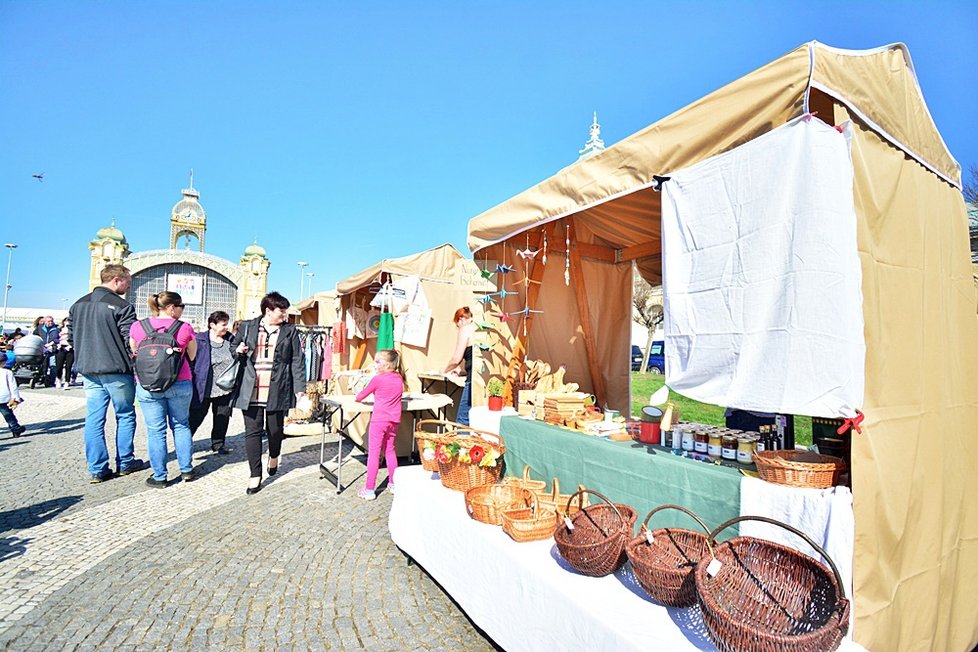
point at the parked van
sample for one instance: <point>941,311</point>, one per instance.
<point>657,359</point>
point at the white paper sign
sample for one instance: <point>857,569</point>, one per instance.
<point>412,327</point>
<point>189,287</point>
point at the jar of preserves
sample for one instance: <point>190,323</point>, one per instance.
<point>714,447</point>
<point>745,450</point>
<point>689,439</point>
<point>728,447</point>
<point>701,441</point>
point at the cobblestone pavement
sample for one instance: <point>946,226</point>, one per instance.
<point>122,566</point>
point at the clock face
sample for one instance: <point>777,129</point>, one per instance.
<point>189,213</point>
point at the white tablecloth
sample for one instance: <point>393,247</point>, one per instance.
<point>482,418</point>
<point>523,595</point>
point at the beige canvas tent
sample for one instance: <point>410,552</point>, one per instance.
<point>448,280</point>
<point>321,309</point>
<point>913,467</point>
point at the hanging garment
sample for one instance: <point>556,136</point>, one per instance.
<point>339,337</point>
<point>762,285</point>
<point>327,368</point>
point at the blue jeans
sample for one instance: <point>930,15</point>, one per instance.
<point>99,391</point>
<point>464,403</point>
<point>11,420</point>
<point>170,406</point>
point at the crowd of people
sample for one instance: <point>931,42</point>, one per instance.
<point>257,368</point>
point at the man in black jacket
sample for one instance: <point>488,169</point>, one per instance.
<point>98,329</point>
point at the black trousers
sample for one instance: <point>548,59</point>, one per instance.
<point>257,422</point>
<point>222,416</point>
<point>64,360</point>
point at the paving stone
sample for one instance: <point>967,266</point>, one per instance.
<point>119,565</point>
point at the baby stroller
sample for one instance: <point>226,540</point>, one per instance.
<point>28,361</point>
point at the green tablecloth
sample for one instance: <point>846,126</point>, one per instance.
<point>627,472</point>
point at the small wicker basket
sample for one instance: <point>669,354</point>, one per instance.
<point>525,482</point>
<point>768,597</point>
<point>487,502</point>
<point>798,468</point>
<point>594,543</point>
<point>439,429</point>
<point>664,560</point>
<point>462,476</point>
<point>531,523</point>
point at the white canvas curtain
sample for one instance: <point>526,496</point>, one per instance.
<point>761,276</point>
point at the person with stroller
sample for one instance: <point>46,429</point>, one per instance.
<point>50,336</point>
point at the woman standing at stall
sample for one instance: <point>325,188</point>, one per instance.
<point>270,383</point>
<point>214,358</point>
<point>462,358</point>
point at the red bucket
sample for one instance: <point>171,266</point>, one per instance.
<point>649,433</point>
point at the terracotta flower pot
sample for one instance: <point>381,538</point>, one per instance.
<point>495,403</point>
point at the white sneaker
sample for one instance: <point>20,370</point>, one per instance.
<point>366,494</point>
<point>390,488</point>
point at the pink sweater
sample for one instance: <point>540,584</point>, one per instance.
<point>387,388</point>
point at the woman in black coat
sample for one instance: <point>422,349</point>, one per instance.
<point>272,379</point>
<point>214,355</point>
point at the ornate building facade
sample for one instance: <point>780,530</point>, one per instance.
<point>205,282</point>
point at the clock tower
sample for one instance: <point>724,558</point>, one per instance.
<point>188,218</point>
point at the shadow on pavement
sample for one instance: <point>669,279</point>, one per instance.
<point>25,517</point>
<point>11,547</point>
<point>54,427</point>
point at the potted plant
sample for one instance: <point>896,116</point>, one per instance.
<point>495,389</point>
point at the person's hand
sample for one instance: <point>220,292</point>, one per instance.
<point>13,403</point>
<point>242,349</point>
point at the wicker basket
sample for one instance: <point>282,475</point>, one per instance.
<point>487,502</point>
<point>422,437</point>
<point>595,544</point>
<point>664,559</point>
<point>525,482</point>
<point>531,523</point>
<point>798,468</point>
<point>462,476</point>
<point>559,503</point>
<point>769,597</point>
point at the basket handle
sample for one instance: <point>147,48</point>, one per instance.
<point>682,509</point>
<point>532,502</point>
<point>808,540</point>
<point>488,436</point>
<point>555,491</point>
<point>581,492</point>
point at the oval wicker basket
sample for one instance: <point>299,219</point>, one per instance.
<point>531,523</point>
<point>595,545</point>
<point>554,500</point>
<point>798,468</point>
<point>422,437</point>
<point>462,476</point>
<point>525,482</point>
<point>664,559</point>
<point>769,597</point>
<point>487,502</point>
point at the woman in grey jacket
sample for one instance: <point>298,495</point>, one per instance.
<point>272,380</point>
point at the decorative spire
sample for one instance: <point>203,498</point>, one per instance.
<point>594,143</point>
<point>192,177</point>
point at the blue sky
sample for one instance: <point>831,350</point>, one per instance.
<point>343,133</point>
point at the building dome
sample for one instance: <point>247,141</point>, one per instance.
<point>111,233</point>
<point>255,249</point>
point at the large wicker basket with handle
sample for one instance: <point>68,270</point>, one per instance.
<point>762,596</point>
<point>461,475</point>
<point>664,559</point>
<point>593,540</point>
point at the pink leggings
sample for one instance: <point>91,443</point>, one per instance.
<point>381,438</point>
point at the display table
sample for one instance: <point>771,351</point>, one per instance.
<point>452,383</point>
<point>628,472</point>
<point>523,595</point>
<point>347,409</point>
<point>486,420</point>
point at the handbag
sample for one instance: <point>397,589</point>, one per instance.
<point>228,378</point>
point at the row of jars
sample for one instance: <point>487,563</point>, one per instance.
<point>716,442</point>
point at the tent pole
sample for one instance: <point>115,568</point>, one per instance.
<point>580,291</point>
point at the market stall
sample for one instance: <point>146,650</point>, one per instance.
<point>424,289</point>
<point>571,241</point>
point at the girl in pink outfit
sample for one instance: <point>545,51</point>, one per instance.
<point>387,387</point>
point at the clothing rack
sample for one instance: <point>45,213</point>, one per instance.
<point>317,350</point>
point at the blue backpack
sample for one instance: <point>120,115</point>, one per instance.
<point>158,357</point>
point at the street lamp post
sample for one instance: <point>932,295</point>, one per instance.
<point>302,277</point>
<point>309,288</point>
<point>6,292</point>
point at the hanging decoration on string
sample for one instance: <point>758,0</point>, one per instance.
<point>485,272</point>
<point>526,312</point>
<point>544,259</point>
<point>527,255</point>
<point>567,254</point>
